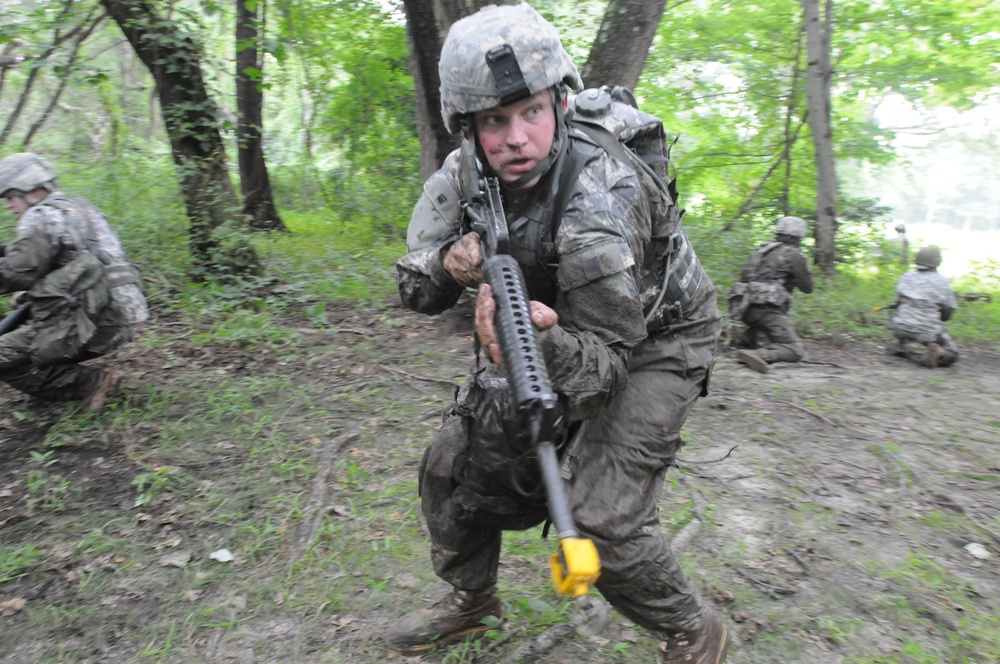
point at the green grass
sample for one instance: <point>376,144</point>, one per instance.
<point>219,446</point>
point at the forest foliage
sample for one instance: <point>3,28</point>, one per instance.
<point>340,131</point>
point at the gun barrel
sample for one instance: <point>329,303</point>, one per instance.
<point>14,319</point>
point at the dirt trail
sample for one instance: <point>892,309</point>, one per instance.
<point>850,499</point>
<point>833,529</point>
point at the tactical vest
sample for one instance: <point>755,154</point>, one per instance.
<point>66,303</point>
<point>758,284</point>
<point>607,120</point>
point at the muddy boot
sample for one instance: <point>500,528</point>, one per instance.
<point>456,616</point>
<point>99,384</point>
<point>898,350</point>
<point>706,645</point>
<point>931,356</point>
<point>752,360</point>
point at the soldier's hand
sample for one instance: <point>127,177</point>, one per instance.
<point>18,298</point>
<point>543,317</point>
<point>463,260</point>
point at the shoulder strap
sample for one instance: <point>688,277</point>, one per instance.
<point>577,154</point>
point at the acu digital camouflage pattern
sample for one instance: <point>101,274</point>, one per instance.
<point>924,297</point>
<point>51,235</point>
<point>25,171</point>
<point>762,297</point>
<point>768,277</point>
<point>627,392</point>
<point>467,84</point>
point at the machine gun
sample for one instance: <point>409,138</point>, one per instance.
<point>575,565</point>
<point>14,319</point>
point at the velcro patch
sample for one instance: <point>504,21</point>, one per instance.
<point>594,262</point>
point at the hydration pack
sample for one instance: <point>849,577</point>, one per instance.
<point>609,119</point>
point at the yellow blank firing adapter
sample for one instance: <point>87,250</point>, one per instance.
<point>575,566</point>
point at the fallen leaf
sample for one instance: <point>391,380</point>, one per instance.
<point>179,559</point>
<point>9,607</point>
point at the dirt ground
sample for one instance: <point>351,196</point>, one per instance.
<point>843,509</point>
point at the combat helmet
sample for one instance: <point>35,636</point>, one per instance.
<point>793,226</point>
<point>928,258</point>
<point>498,56</point>
<point>26,171</point>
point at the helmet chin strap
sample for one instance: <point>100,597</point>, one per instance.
<point>543,166</point>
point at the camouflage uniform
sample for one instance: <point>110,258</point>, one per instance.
<point>925,299</point>
<point>625,392</point>
<point>50,235</point>
<point>763,295</point>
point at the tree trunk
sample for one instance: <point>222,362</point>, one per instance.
<point>818,92</point>
<point>255,183</point>
<point>191,120</point>
<point>622,43</point>
<point>427,23</point>
<point>791,110</point>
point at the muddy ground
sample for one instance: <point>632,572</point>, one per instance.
<point>827,508</point>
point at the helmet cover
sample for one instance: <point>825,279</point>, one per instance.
<point>929,257</point>
<point>25,171</point>
<point>498,56</point>
<point>794,226</point>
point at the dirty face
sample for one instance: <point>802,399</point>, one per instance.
<point>518,136</point>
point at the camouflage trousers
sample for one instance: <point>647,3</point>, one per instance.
<point>949,350</point>
<point>615,467</point>
<point>784,343</point>
<point>62,382</point>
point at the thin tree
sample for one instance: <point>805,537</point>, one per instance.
<point>59,37</point>
<point>818,76</point>
<point>622,43</point>
<point>255,183</point>
<point>427,23</point>
<point>66,72</point>
<point>192,123</point>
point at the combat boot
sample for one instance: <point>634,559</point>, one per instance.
<point>932,355</point>
<point>98,385</point>
<point>706,645</point>
<point>753,360</point>
<point>458,615</point>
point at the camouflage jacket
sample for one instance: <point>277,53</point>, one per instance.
<point>768,277</point>
<point>50,235</point>
<point>603,251</point>
<point>924,299</point>
<point>785,265</point>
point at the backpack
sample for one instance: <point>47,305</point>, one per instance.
<point>66,303</point>
<point>609,119</point>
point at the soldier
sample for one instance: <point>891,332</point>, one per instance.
<point>85,297</point>
<point>626,364</point>
<point>924,300</point>
<point>763,295</point>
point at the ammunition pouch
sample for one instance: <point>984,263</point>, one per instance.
<point>743,295</point>
<point>499,477</point>
<point>65,305</point>
<point>681,276</point>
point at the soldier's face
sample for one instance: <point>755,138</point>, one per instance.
<point>518,136</point>
<point>14,201</point>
